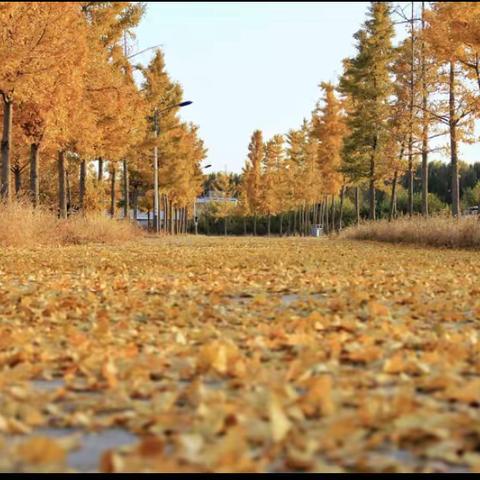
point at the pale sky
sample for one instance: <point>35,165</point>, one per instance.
<point>251,65</point>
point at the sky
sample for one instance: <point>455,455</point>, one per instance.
<point>250,65</point>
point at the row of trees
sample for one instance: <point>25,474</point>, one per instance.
<point>74,117</point>
<point>392,107</point>
<point>219,216</point>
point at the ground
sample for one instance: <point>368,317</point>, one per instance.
<point>233,354</point>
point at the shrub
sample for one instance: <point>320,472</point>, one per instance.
<point>21,225</point>
<point>438,231</point>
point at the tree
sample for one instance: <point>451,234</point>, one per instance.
<point>456,103</point>
<point>252,173</point>
<point>42,48</point>
<point>367,80</point>
<point>328,127</point>
<point>224,190</point>
<point>272,164</point>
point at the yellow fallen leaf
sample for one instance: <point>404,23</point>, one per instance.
<point>279,422</point>
<point>40,451</point>
<point>318,399</point>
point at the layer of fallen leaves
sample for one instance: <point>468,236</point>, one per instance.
<point>242,355</point>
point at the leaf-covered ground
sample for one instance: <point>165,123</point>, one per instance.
<point>215,354</point>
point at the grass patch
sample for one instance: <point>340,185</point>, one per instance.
<point>21,225</point>
<point>434,231</point>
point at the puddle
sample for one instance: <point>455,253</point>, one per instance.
<point>294,297</point>
<point>86,458</point>
<point>286,299</point>
<point>47,385</point>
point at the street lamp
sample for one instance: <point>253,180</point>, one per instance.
<point>195,218</point>
<point>140,52</point>
<point>156,220</point>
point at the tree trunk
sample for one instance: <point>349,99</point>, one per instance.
<point>294,223</point>
<point>100,169</point>
<point>425,126</point>
<point>255,225</point>
<point>135,203</point>
<point>411,117</point>
<point>148,219</point>
<point>327,216</point>
<point>342,198</point>
<point>170,214</point>
<point>225,226</point>
<point>69,193</point>
<point>333,213</point>
<point>393,197</point>
<point>372,199</point>
<point>18,179</point>
<point>244,225</point>
<point>83,184</point>
<point>308,222</point>
<point>453,146</point>
<point>281,225</point>
<point>302,221</point>
<point>6,145</point>
<point>34,183</point>
<point>112,192</point>
<point>62,191</point>
<point>166,217</point>
<point>357,204</point>
<point>268,224</point>
<point>126,192</point>
<point>410,175</point>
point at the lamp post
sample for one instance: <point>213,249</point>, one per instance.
<point>156,126</point>
<point>195,218</point>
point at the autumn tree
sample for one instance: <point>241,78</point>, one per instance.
<point>456,103</point>
<point>252,174</point>
<point>41,46</point>
<point>368,81</point>
<point>224,190</point>
<point>272,165</point>
<point>328,126</point>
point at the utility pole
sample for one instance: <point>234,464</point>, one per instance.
<point>156,221</point>
<point>195,218</point>
<point>126,193</point>
<point>156,126</point>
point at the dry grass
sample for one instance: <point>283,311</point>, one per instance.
<point>435,231</point>
<point>21,225</point>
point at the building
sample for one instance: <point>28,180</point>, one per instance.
<point>212,197</point>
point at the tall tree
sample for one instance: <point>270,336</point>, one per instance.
<point>272,164</point>
<point>456,102</point>
<point>38,42</point>
<point>253,169</point>
<point>368,82</point>
<point>329,128</point>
